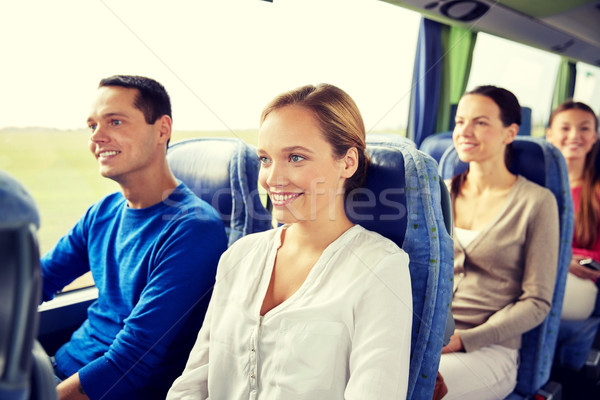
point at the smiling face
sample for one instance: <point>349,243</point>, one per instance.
<point>124,144</point>
<point>298,169</point>
<point>479,134</point>
<point>573,132</point>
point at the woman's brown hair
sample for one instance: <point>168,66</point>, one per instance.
<point>587,217</point>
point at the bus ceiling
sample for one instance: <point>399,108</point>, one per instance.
<point>568,28</point>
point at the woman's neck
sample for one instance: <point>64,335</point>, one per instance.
<point>317,236</point>
<point>483,177</point>
<point>576,169</point>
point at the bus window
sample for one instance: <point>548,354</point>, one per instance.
<point>527,72</point>
<point>220,64</point>
<point>587,86</point>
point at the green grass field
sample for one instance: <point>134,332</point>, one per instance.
<point>62,175</point>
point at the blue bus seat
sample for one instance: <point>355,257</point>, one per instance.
<point>542,163</point>
<point>25,371</point>
<point>576,339</point>
<point>386,137</point>
<point>525,127</point>
<point>24,374</point>
<point>437,144</point>
<point>402,200</point>
<point>224,173</point>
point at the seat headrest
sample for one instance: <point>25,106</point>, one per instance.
<point>224,173</point>
<point>204,167</point>
<point>390,139</point>
<point>437,144</point>
<point>16,203</point>
<point>527,160</point>
<point>380,205</point>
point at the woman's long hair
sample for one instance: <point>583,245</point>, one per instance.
<point>510,113</point>
<point>587,217</point>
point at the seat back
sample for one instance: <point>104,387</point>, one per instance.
<point>436,145</point>
<point>24,372</point>
<point>525,127</point>
<point>402,200</point>
<point>20,290</point>
<point>224,173</point>
<point>385,137</point>
<point>542,163</point>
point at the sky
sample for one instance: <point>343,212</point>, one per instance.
<point>221,61</point>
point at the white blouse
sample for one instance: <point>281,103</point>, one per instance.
<point>464,236</point>
<point>344,334</point>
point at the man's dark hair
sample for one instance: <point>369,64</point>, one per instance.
<point>152,100</point>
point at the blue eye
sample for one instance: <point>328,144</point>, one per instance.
<point>296,158</point>
<point>264,160</point>
<point>116,122</point>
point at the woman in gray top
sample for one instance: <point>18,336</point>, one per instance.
<point>505,250</point>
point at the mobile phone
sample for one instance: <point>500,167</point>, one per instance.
<point>590,263</point>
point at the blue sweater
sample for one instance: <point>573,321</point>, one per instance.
<point>154,269</point>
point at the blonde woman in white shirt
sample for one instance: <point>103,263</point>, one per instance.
<point>318,308</point>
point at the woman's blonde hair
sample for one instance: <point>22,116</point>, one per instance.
<point>338,117</point>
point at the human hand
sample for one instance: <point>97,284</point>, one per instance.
<point>582,272</point>
<point>455,345</point>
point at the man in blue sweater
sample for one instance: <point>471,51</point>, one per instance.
<point>152,248</point>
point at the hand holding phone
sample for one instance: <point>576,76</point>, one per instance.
<point>590,263</point>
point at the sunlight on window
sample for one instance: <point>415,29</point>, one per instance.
<point>221,62</point>
<point>527,72</point>
<point>587,86</point>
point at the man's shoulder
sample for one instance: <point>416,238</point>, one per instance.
<point>184,205</point>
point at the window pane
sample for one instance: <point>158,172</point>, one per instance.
<point>221,62</point>
<point>527,72</point>
<point>587,86</point>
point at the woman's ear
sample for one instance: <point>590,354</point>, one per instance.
<point>512,131</point>
<point>350,163</point>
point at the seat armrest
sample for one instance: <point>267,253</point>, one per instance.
<point>61,316</point>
